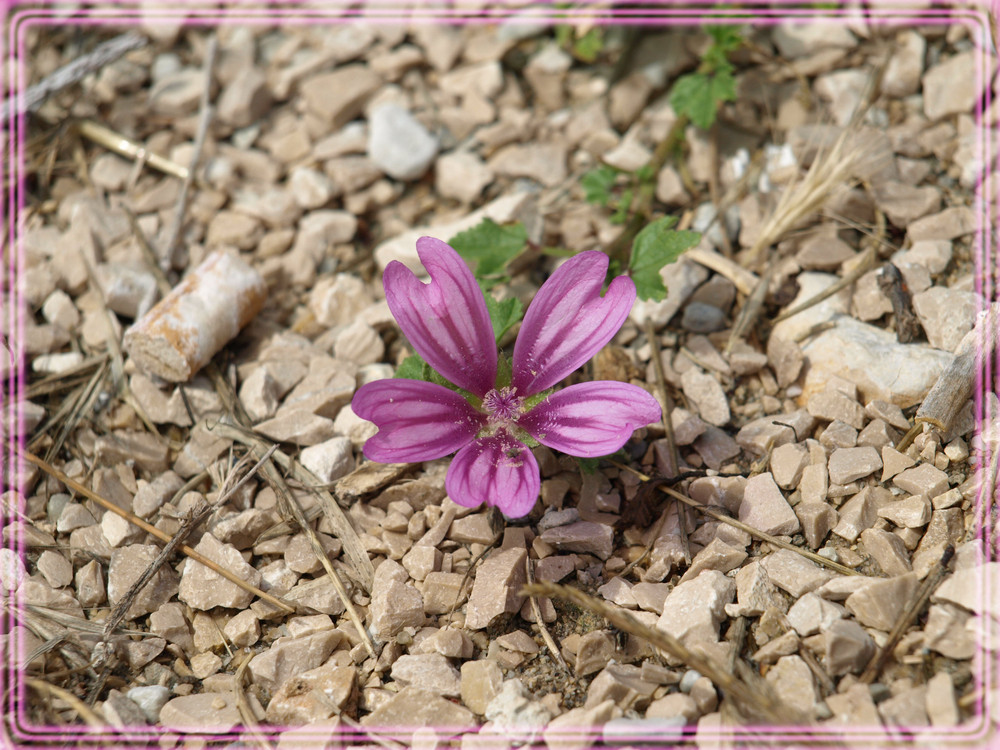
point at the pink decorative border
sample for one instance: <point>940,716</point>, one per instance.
<point>651,12</point>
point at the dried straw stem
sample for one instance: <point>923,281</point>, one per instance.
<point>757,699</point>
<point>150,529</point>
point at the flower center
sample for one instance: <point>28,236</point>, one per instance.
<point>502,405</point>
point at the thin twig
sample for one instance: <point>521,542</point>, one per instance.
<point>757,699</point>
<point>128,148</point>
<point>866,263</point>
<point>102,55</point>
<point>90,715</point>
<point>754,532</point>
<point>908,615</point>
<point>536,610</point>
<point>204,119</point>
<point>150,529</point>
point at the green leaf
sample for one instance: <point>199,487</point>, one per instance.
<point>698,95</point>
<point>597,184</point>
<point>727,37</point>
<point>589,46</point>
<point>490,246</point>
<point>654,247</point>
<point>503,314</point>
<point>621,213</point>
<point>413,368</point>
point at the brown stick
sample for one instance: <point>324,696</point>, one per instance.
<point>150,529</point>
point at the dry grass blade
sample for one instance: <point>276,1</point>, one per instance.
<point>867,263</point>
<point>755,700</point>
<point>71,411</point>
<point>192,522</point>
<point>244,707</point>
<point>751,309</point>
<point>128,148</point>
<point>290,506</point>
<point>66,379</point>
<point>362,567</point>
<point>742,278</point>
<point>537,612</point>
<point>204,119</point>
<point>908,615</point>
<point>756,533</point>
<point>90,715</point>
<point>149,529</point>
<point>71,73</point>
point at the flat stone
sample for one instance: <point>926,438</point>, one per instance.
<point>681,278</point>
<point>594,650</point>
<point>621,685</point>
<point>339,96</point>
<point>941,706</point>
<point>934,255</point>
<point>775,430</point>
<point>431,672</point>
<point>902,73</point>
<point>811,613</point>
<point>716,447</point>
<point>619,591</point>
<point>894,462</point>
<point>849,464</point>
<point>414,707</point>
<point>314,695</point>
<point>880,604</point>
<point>243,629</point>
<point>856,515</point>
<point>911,512</point>
<point>924,479</point>
<point>717,555</point>
<point>875,361</point>
<point>950,87</point>
<point>461,175</point>
<point>150,699</point>
<point>906,709</point>
<point>904,203</point>
<point>89,582</point>
<point>203,588</point>
<point>298,427</point>
<point>245,99</point>
<point>650,596</point>
<point>946,632</point>
<point>339,299</point>
<point>398,143</point>
<point>853,708</point>
<point>946,527</point>
<point>787,462</point>
<point>543,162</point>
<point>441,592</point>
<point>481,682</point>
<point>888,551</point>
<point>496,589</point>
<point>946,315</point>
<point>674,705</point>
<point>754,591</point>
<point>55,569</point>
<point>583,536</point>
<point>707,395</point>
<point>127,565</point>
<point>817,519</point>
<point>694,610</point>
<point>794,573</point>
<point>395,604</point>
<point>289,657</point>
<point>831,405</point>
<point>211,713</point>
<point>473,529</point>
<point>359,343</point>
<point>765,508</point>
<point>953,222</point>
<point>795,40</point>
<point>793,683</point>
<point>967,588</point>
<point>848,647</point>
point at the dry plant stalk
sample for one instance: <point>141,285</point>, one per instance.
<point>128,148</point>
<point>149,529</point>
<point>754,532</point>
<point>954,386</point>
<point>536,610</point>
<point>186,328</point>
<point>756,699</point>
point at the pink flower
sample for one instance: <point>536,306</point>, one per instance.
<point>447,323</point>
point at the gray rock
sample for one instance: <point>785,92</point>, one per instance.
<point>765,508</point>
<point>880,604</point>
<point>693,611</point>
<point>793,683</point>
<point>950,87</point>
<point>946,315</point>
<point>794,573</point>
<point>398,144</point>
<point>127,565</point>
<point>150,699</point>
<point>848,647</point>
<point>203,588</point>
<point>848,464</point>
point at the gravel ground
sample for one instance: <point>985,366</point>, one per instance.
<point>817,557</point>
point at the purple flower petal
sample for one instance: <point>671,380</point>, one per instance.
<point>497,470</point>
<point>591,419</point>
<point>446,320</point>
<point>568,322</point>
<point>416,421</point>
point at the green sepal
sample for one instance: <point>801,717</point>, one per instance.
<point>504,372</point>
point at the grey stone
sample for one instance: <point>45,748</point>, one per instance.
<point>848,647</point>
<point>946,315</point>
<point>950,87</point>
<point>398,144</point>
<point>497,588</point>
<point>793,683</point>
<point>810,614</point>
<point>856,515</point>
<point>203,588</point>
<point>911,512</point>
<point>924,479</point>
<point>210,713</point>
<point>582,536</point>
<point>848,464</point>
<point>127,565</point>
<point>794,573</point>
<point>431,672</point>
<point>693,611</point>
<point>880,604</point>
<point>817,520</point>
<point>707,395</point>
<point>765,508</point>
